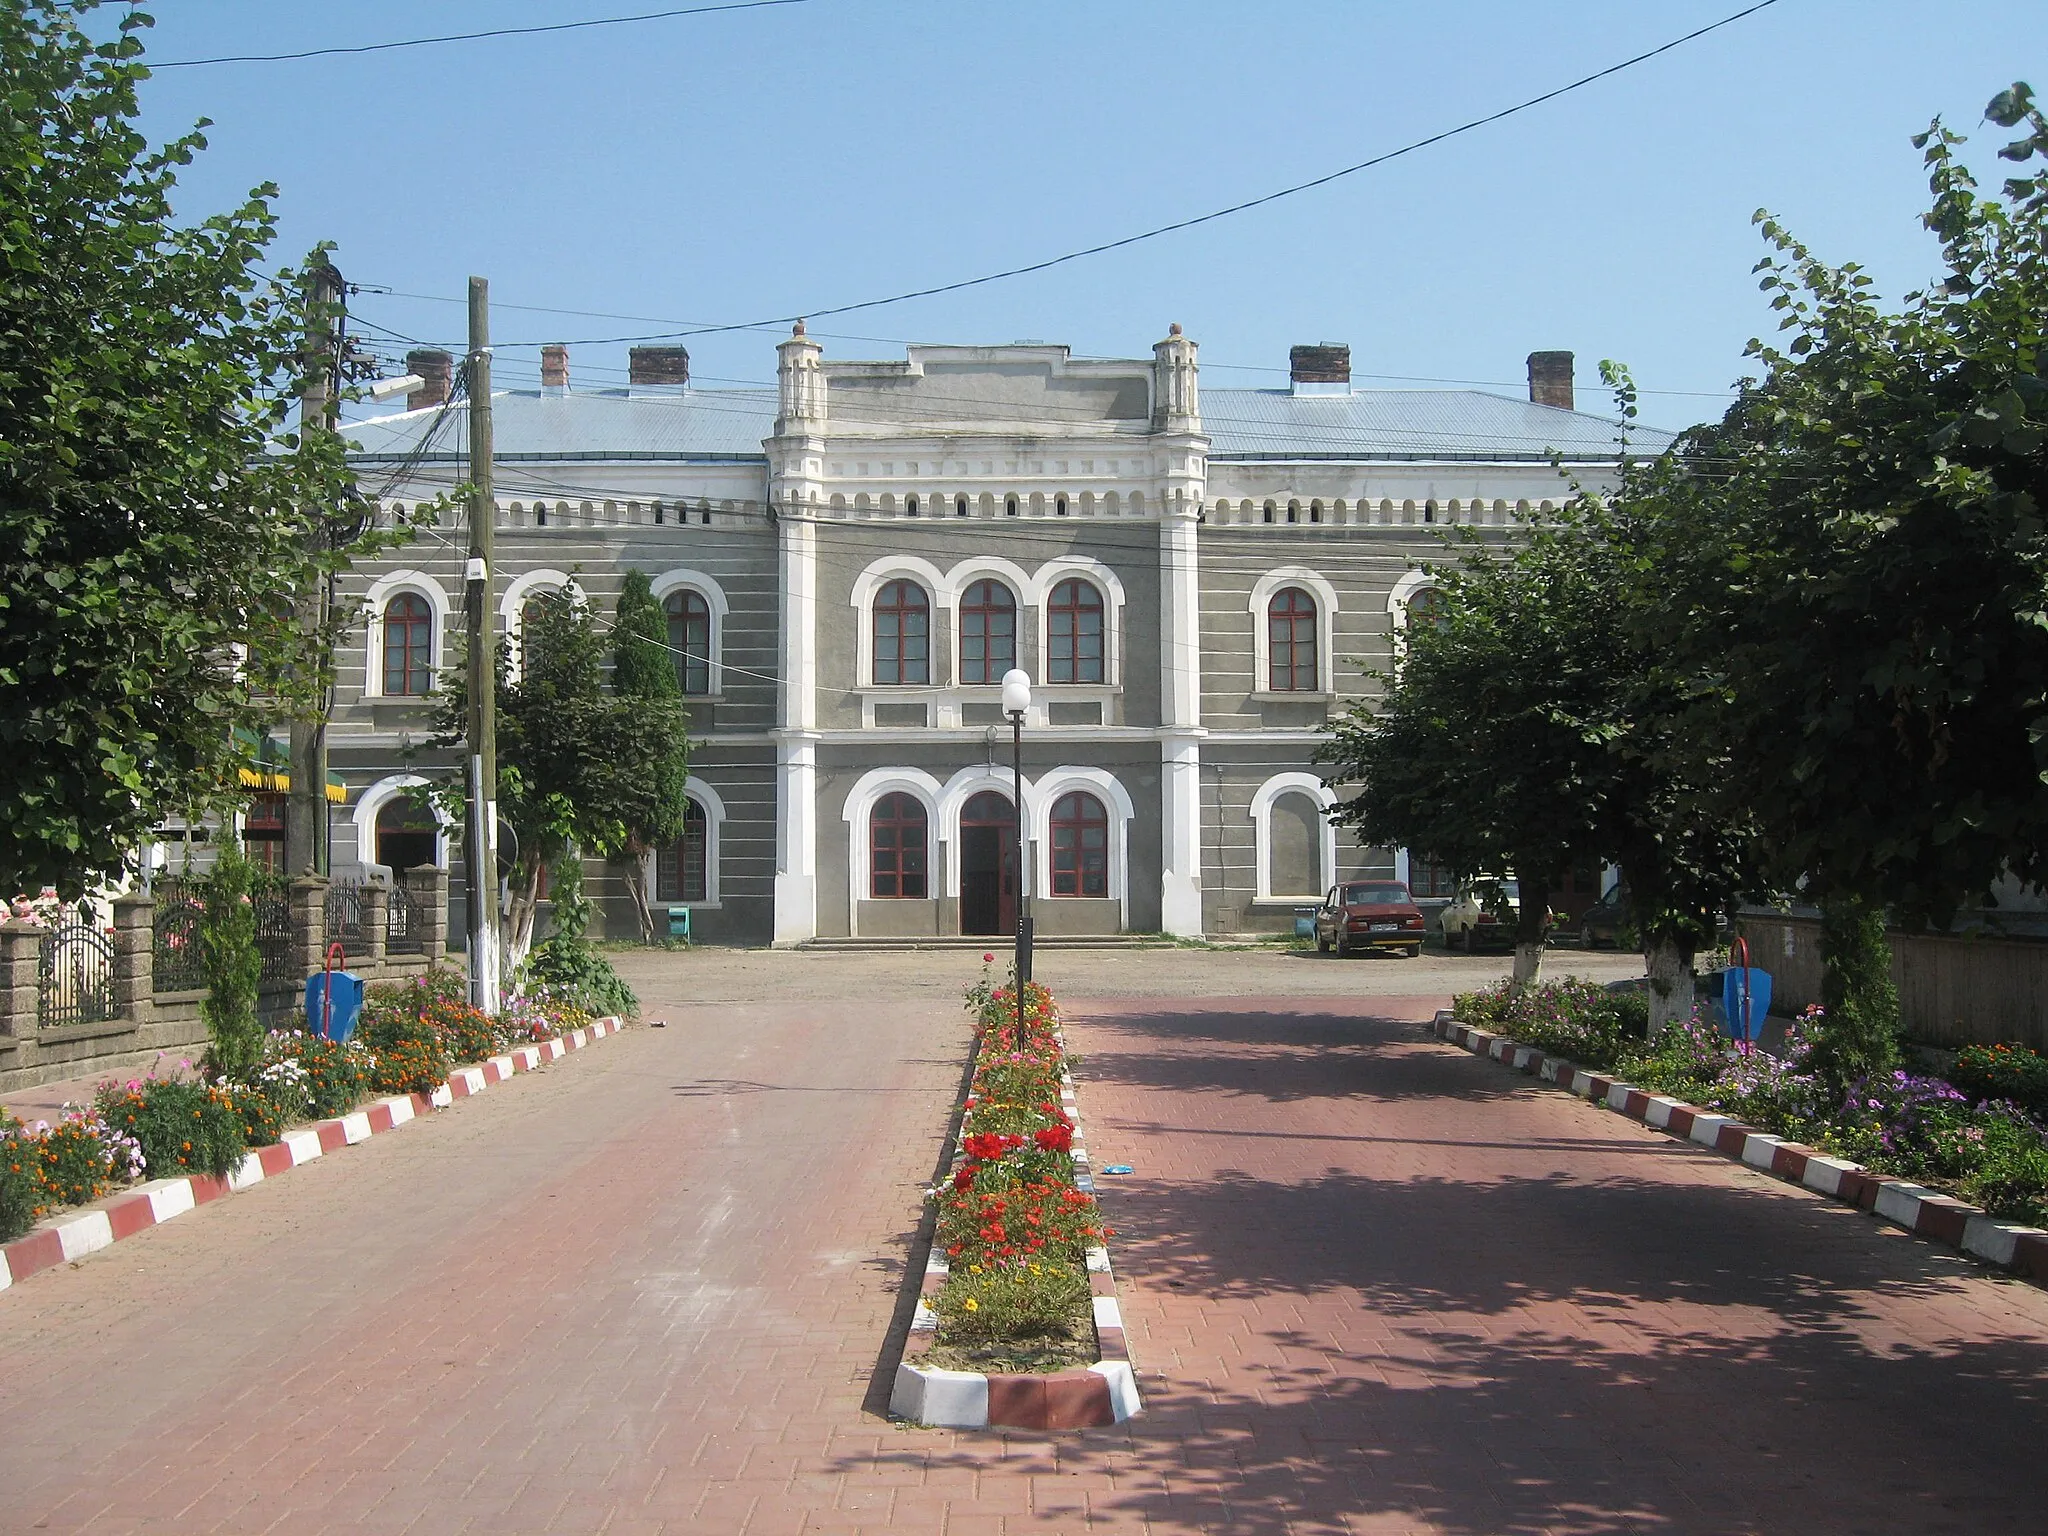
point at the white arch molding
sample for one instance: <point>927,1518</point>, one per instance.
<point>1111,587</point>
<point>1404,592</point>
<point>1262,831</point>
<point>376,599</point>
<point>1325,595</point>
<point>682,580</point>
<point>870,581</point>
<point>713,806</point>
<point>1046,792</point>
<point>372,802</point>
<point>859,806</point>
<point>518,592</point>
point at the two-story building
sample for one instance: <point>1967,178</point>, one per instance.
<point>1195,579</point>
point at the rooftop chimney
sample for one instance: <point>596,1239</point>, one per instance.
<point>1550,379</point>
<point>662,369</point>
<point>1324,369</point>
<point>554,369</point>
<point>435,368</point>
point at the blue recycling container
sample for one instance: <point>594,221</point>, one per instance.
<point>679,922</point>
<point>337,1022</point>
<point>1734,982</point>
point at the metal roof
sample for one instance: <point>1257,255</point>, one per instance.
<point>730,424</point>
<point>1456,424</point>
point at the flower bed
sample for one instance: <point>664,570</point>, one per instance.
<point>1978,1134</point>
<point>1017,1292</point>
<point>410,1038</point>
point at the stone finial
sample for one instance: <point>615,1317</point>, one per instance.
<point>798,329</point>
<point>1173,329</point>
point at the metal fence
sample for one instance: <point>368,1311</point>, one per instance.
<point>404,932</point>
<point>180,913</point>
<point>75,976</point>
<point>274,931</point>
<point>346,912</point>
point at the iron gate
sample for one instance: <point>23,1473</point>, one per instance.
<point>75,976</point>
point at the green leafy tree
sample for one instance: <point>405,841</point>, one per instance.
<point>574,758</point>
<point>644,673</point>
<point>1856,572</point>
<point>157,515</point>
<point>231,963</point>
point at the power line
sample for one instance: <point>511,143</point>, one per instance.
<point>1189,223</point>
<point>468,37</point>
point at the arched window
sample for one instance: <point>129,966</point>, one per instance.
<point>896,848</point>
<point>407,835</point>
<point>988,632</point>
<point>1010,507</point>
<point>903,626</point>
<point>1291,641</point>
<point>910,506</point>
<point>1080,846</point>
<point>689,637</point>
<point>1073,633</point>
<point>1059,506</point>
<point>959,506</point>
<point>408,646</point>
<point>1425,609</point>
<point>680,870</point>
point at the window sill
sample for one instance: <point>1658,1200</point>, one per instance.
<point>1303,696</point>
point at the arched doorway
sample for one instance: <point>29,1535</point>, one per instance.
<point>407,836</point>
<point>988,864</point>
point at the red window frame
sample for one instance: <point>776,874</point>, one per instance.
<point>898,836</point>
<point>902,634</point>
<point>1429,880</point>
<point>1080,845</point>
<point>681,870</point>
<point>1074,633</point>
<point>689,636</point>
<point>1291,642</point>
<point>988,632</point>
<point>408,647</point>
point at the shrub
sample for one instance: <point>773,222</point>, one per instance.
<point>232,965</point>
<point>440,999</point>
<point>407,1054</point>
<point>538,1014</point>
<point>2014,1072</point>
<point>179,1124</point>
<point>2010,1178</point>
<point>567,968</point>
<point>1574,1018</point>
<point>1856,1032</point>
<point>333,1077</point>
<point>77,1158</point>
<point>1685,1060</point>
<point>18,1183</point>
<point>1027,1300</point>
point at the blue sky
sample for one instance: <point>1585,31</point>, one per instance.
<point>759,163</point>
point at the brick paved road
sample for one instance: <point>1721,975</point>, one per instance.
<point>1373,1285</point>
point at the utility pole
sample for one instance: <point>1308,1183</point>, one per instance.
<point>481,849</point>
<point>305,823</point>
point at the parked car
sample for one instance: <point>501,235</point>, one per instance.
<point>1484,912</point>
<point>1603,922</point>
<point>1369,914</point>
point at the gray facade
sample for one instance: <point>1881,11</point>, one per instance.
<point>1252,553</point>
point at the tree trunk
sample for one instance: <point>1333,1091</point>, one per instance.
<point>632,868</point>
<point>1532,920</point>
<point>515,933</point>
<point>1671,983</point>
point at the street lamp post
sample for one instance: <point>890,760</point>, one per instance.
<point>1016,700</point>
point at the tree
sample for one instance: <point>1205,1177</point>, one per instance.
<point>156,515</point>
<point>1857,566</point>
<point>644,672</point>
<point>575,760</point>
<point>1472,751</point>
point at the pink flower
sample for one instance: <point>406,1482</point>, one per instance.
<point>988,959</point>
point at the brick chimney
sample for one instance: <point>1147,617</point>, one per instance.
<point>554,369</point>
<point>436,370</point>
<point>1324,368</point>
<point>1550,379</point>
<point>662,369</point>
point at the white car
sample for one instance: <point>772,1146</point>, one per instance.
<point>1485,911</point>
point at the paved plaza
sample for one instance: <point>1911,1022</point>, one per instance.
<point>1372,1284</point>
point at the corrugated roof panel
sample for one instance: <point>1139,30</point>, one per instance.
<point>599,424</point>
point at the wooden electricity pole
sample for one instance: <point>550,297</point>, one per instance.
<point>305,823</point>
<point>481,849</point>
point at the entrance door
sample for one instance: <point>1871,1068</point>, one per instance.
<point>988,865</point>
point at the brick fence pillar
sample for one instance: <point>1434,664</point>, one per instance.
<point>21,957</point>
<point>376,924</point>
<point>309,924</point>
<point>134,956</point>
<point>430,903</point>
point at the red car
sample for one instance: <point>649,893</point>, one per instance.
<point>1369,914</point>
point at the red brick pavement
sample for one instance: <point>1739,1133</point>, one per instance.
<point>1372,1284</point>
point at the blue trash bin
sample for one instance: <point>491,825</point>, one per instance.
<point>679,922</point>
<point>336,1022</point>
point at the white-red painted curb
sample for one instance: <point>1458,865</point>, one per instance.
<point>1926,1213</point>
<point>67,1238</point>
